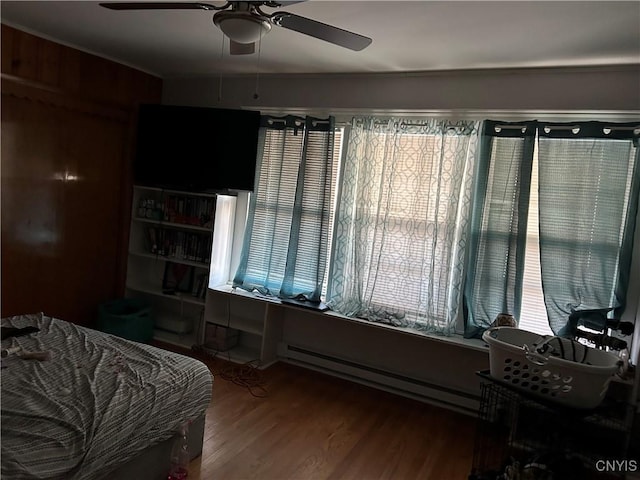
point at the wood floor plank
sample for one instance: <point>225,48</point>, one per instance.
<point>314,426</point>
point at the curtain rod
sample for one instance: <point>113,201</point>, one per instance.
<point>568,127</point>
<point>453,123</point>
<point>298,120</point>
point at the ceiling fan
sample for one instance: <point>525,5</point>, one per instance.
<point>245,23</point>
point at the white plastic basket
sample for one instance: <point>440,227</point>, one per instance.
<point>554,368</point>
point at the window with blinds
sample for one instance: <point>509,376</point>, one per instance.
<point>414,214</point>
<point>275,218</point>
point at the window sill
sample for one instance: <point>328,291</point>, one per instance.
<point>454,340</point>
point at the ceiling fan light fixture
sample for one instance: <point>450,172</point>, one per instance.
<point>245,24</point>
<point>242,27</point>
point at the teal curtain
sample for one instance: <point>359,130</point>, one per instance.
<point>285,246</point>
<point>499,224</point>
<point>401,222</point>
<point>589,182</point>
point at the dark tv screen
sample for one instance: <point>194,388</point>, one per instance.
<point>196,148</point>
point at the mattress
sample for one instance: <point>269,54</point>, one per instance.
<point>98,402</point>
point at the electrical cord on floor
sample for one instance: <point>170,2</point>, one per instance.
<point>247,375</point>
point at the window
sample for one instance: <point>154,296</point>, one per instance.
<point>288,234</point>
<point>578,186</point>
<point>402,222</point>
<point>387,240</point>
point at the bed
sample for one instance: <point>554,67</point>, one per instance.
<point>99,407</point>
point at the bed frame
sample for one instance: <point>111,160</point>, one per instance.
<point>154,462</point>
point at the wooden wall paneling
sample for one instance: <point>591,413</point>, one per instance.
<point>98,77</point>
<point>6,47</point>
<point>92,205</point>
<point>50,55</point>
<point>70,70</point>
<point>61,202</point>
<point>68,131</point>
<point>75,72</point>
<point>32,223</point>
<point>25,57</point>
<point>124,86</point>
<point>133,86</point>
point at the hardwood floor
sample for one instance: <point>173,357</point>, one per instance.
<point>314,426</point>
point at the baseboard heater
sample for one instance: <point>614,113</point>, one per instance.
<point>438,395</point>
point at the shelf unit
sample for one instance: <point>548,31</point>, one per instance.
<point>169,259</point>
<point>257,321</point>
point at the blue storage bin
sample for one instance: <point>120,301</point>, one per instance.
<point>128,318</point>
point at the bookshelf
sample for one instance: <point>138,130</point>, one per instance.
<point>169,259</point>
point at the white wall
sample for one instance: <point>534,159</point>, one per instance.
<point>431,361</point>
<point>594,90</point>
<point>611,93</point>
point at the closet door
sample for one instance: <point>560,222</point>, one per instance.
<point>63,171</point>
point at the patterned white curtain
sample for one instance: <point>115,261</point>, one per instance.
<point>402,220</point>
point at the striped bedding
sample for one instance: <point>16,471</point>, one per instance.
<point>96,403</point>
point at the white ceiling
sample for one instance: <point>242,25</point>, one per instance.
<point>407,36</point>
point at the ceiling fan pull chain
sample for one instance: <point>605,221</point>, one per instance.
<point>220,78</point>
<point>256,95</point>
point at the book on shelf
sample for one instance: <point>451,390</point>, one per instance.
<point>151,240</point>
<point>200,285</point>
<point>177,278</point>
<point>183,209</point>
<point>166,242</point>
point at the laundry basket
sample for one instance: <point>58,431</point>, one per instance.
<point>557,369</point>
<point>128,318</point>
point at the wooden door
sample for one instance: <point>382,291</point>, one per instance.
<point>62,201</point>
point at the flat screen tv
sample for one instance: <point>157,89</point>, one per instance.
<point>196,148</point>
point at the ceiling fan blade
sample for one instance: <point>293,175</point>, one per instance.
<point>236,48</point>
<point>286,4</point>
<point>277,3</point>
<point>320,30</point>
<point>158,6</point>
